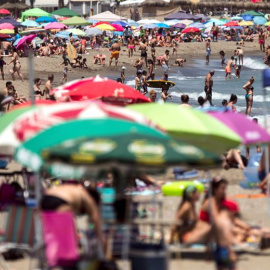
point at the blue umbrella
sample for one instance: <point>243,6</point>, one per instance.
<point>10,20</point>
<point>259,20</point>
<point>247,17</point>
<point>65,34</point>
<point>16,41</point>
<point>92,21</point>
<point>118,33</point>
<point>197,25</point>
<point>45,19</point>
<point>29,23</point>
<point>123,24</point>
<point>162,25</point>
<point>133,23</point>
<point>150,26</point>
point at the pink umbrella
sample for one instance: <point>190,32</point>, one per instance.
<point>6,26</point>
<point>117,27</point>
<point>28,38</point>
<point>250,132</point>
<point>55,25</point>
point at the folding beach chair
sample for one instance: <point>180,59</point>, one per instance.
<point>19,231</point>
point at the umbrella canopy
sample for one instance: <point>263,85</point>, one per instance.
<point>65,35</point>
<point>34,12</point>
<point>123,24</point>
<point>6,26</point>
<point>30,23</point>
<point>4,11</point>
<point>107,16</point>
<point>149,26</point>
<point>186,22</point>
<point>216,21</point>
<point>191,30</point>
<point>246,23</point>
<point>75,21</point>
<point>181,15</point>
<point>92,32</point>
<point>179,25</point>
<point>45,19</point>
<point>105,26</point>
<point>37,41</point>
<point>24,39</point>
<point>203,129</point>
<point>252,13</point>
<point>7,31</point>
<point>117,27</point>
<point>148,21</point>
<point>105,142</point>
<point>105,89</point>
<point>232,23</point>
<point>236,18</point>
<point>259,21</point>
<point>197,25</point>
<point>55,25</point>
<point>32,30</point>
<point>4,36</point>
<point>65,12</point>
<point>248,17</point>
<point>11,21</point>
<point>172,22</point>
<point>77,32</point>
<point>250,132</point>
<point>39,119</point>
<point>267,24</point>
<point>162,25</point>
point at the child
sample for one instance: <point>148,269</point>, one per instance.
<point>235,56</point>
<point>123,76</point>
<point>84,65</point>
<point>144,82</point>
<point>237,71</point>
<point>222,56</point>
<point>138,82</point>
<point>64,79</point>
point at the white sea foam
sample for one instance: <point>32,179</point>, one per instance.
<point>254,64</point>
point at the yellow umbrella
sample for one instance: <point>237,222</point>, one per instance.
<point>267,24</point>
<point>7,31</point>
<point>246,23</point>
<point>105,27</point>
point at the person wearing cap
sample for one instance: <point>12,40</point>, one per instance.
<point>208,86</point>
<point>123,76</point>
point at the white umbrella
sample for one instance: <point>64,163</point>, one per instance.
<point>92,32</point>
<point>148,21</point>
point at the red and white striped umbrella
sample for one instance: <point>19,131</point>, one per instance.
<point>44,117</point>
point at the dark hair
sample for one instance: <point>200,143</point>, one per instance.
<point>119,80</point>
<point>84,59</point>
<point>36,80</point>
<point>144,72</point>
<point>8,83</point>
<point>233,97</point>
<point>222,53</point>
<point>255,120</point>
<point>216,183</point>
<point>92,192</point>
<point>201,100</point>
<point>185,98</point>
<point>232,57</point>
<point>186,194</point>
<point>50,77</point>
<point>150,61</point>
<point>224,102</point>
<point>167,51</point>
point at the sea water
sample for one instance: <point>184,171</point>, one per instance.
<point>190,80</point>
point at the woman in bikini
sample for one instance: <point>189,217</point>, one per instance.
<point>249,94</point>
<point>38,93</point>
<point>232,102</point>
<point>16,64</point>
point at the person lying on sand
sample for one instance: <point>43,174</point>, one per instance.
<point>180,62</point>
<point>99,59</point>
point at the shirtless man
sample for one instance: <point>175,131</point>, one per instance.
<point>180,62</point>
<point>214,31</point>
<point>44,50</point>
<point>71,38</point>
<point>115,50</point>
<point>6,47</point>
<point>261,38</point>
<point>48,86</point>
<point>240,54</point>
<point>143,49</point>
<point>208,86</point>
<point>165,61</point>
<point>228,68</point>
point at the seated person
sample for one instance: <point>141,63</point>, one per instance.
<point>44,50</point>
<point>234,159</point>
<point>76,62</point>
<point>100,59</point>
<point>180,62</point>
<point>84,65</point>
<point>10,90</point>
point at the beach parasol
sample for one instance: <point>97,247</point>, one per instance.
<point>99,143</point>
<point>246,23</point>
<point>149,26</point>
<point>77,32</point>
<point>34,12</point>
<point>123,24</point>
<point>236,18</point>
<point>24,39</point>
<point>117,27</point>
<point>65,12</point>
<point>204,132</point>
<point>186,22</point>
<point>191,30</point>
<point>7,31</point>
<point>148,21</point>
<point>162,25</point>
<point>6,26</point>
<point>171,22</point>
<point>248,17</point>
<point>197,25</point>
<point>259,21</point>
<point>65,35</point>
<point>55,25</point>
<point>4,11</point>
<point>232,23</point>
<point>92,32</point>
<point>179,25</point>
<point>32,30</point>
<point>250,132</point>
<point>30,23</point>
<point>267,24</point>
<point>10,20</point>
<point>105,27</point>
<point>45,19</point>
<point>4,36</point>
<point>105,89</point>
<point>75,21</point>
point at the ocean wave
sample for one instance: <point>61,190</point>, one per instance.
<point>254,64</point>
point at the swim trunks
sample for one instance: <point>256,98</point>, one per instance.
<point>228,69</point>
<point>208,52</point>
<point>143,54</point>
<point>222,259</point>
<point>261,41</point>
<point>2,62</point>
<point>208,93</point>
<point>131,47</point>
<point>115,54</point>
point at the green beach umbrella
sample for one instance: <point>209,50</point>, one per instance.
<point>252,13</point>
<point>75,21</point>
<point>191,126</point>
<point>65,12</point>
<point>81,143</point>
<point>34,12</point>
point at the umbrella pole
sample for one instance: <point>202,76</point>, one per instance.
<point>31,76</point>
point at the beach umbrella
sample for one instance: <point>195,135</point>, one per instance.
<point>162,25</point>
<point>216,21</point>
<point>133,23</point>
<point>102,143</point>
<point>197,25</point>
<point>7,31</point>
<point>259,21</point>
<point>250,132</point>
<point>6,26</point>
<point>30,23</point>
<point>179,25</point>
<point>32,30</point>
<point>43,117</point>
<point>149,26</point>
<point>105,27</point>
<point>75,21</point>
<point>246,23</point>
<point>77,32</point>
<point>60,19</point>
<point>105,89</point>
<point>65,12</point>
<point>123,24</point>
<point>34,12</point>
<point>186,22</point>
<point>10,20</point>
<point>92,32</point>
<point>55,25</point>
<point>252,13</point>
<point>37,41</point>
<point>4,11</point>
<point>267,24</point>
<point>205,131</point>
<point>65,35</point>
<point>171,22</point>
<point>247,17</point>
<point>232,23</point>
<point>117,27</point>
<point>236,18</point>
<point>45,19</point>
<point>191,30</point>
<point>92,21</point>
<point>4,36</point>
<point>148,21</point>
<point>24,39</point>
<point>98,23</point>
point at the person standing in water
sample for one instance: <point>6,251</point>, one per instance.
<point>261,38</point>
<point>249,94</point>
<point>228,68</point>
<point>208,86</point>
<point>208,50</point>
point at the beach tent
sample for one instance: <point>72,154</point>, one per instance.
<point>252,13</point>
<point>65,12</point>
<point>182,15</point>
<point>10,20</point>
<point>107,16</point>
<point>75,21</point>
<point>34,12</point>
